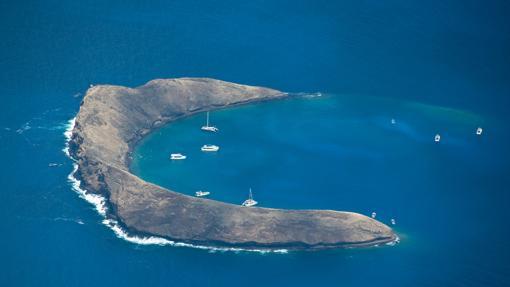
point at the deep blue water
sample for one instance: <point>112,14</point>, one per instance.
<point>450,200</point>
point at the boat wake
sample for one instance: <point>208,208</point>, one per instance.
<point>65,219</point>
<point>99,202</point>
<point>309,95</point>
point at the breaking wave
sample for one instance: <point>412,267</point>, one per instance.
<point>99,202</point>
<point>394,242</point>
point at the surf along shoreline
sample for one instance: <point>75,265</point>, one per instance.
<point>102,141</point>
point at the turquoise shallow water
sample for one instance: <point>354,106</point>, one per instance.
<point>342,152</point>
<point>450,200</point>
<point>338,152</point>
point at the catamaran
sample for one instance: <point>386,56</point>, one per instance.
<point>250,202</point>
<point>202,193</point>
<point>209,128</point>
<point>479,131</point>
<point>177,156</point>
<point>210,147</point>
<point>437,138</point>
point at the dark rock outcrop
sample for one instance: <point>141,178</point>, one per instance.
<point>112,119</point>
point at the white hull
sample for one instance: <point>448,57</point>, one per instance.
<point>249,203</point>
<point>202,193</point>
<point>437,138</point>
<point>209,148</point>
<point>177,156</point>
<point>479,131</point>
<point>210,129</point>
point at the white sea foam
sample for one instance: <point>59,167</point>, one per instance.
<point>53,127</point>
<point>68,133</point>
<point>394,242</point>
<point>69,129</point>
<point>99,202</point>
<point>154,240</point>
<point>25,127</point>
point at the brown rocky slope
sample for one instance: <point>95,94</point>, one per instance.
<point>112,119</point>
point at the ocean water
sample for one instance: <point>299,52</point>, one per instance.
<point>436,67</point>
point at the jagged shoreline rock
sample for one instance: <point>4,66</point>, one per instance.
<point>112,119</point>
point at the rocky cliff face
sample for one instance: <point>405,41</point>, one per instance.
<point>112,119</point>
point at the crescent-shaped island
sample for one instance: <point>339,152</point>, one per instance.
<point>112,119</point>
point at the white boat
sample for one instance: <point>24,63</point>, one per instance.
<point>210,147</point>
<point>177,156</point>
<point>479,131</point>
<point>202,193</point>
<point>209,128</point>
<point>393,222</point>
<point>393,121</point>
<point>374,214</point>
<point>250,202</point>
<point>437,138</point>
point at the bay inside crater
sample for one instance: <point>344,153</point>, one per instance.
<point>339,152</point>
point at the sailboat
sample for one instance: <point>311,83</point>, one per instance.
<point>209,128</point>
<point>250,202</point>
